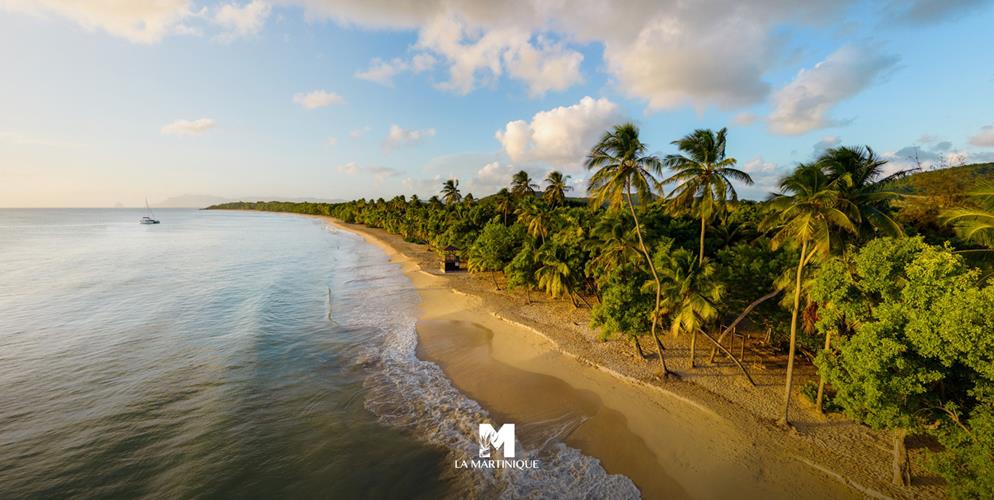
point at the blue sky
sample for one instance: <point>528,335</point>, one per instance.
<point>107,101</point>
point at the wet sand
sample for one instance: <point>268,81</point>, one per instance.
<point>670,446</point>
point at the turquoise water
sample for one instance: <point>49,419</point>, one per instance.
<point>231,355</point>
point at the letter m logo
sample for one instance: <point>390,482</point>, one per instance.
<point>502,438</point>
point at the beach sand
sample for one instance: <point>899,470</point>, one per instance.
<point>674,440</point>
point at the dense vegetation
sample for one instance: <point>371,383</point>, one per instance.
<point>871,272</point>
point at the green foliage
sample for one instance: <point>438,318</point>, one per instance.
<point>495,247</point>
<point>916,345</point>
<point>624,306</point>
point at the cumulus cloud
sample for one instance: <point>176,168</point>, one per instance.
<point>766,176</point>
<point>475,56</point>
<point>560,136</point>
<point>242,20</point>
<point>317,99</point>
<point>494,175</point>
<point>804,103</point>
<point>401,137</point>
<point>378,173</point>
<point>188,127</point>
<point>984,138</point>
<point>141,22</point>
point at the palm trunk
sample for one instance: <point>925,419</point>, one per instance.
<point>902,467</point>
<point>659,286</point>
<point>742,316</point>
<point>785,419</point>
<point>638,347</point>
<point>821,378</point>
<point>703,226</point>
<point>693,347</point>
<point>493,276</point>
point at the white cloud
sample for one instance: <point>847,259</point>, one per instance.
<point>383,72</point>
<point>479,56</point>
<point>919,12</point>
<point>745,119</point>
<point>359,132</point>
<point>984,138</point>
<point>188,127</point>
<point>137,21</point>
<point>377,172</point>
<point>317,99</point>
<point>401,137</point>
<point>561,136</point>
<point>332,141</point>
<point>804,104</point>
<point>495,174</point>
<point>242,21</point>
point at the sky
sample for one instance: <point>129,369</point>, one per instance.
<point>107,102</point>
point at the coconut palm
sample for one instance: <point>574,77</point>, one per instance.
<point>522,185</point>
<point>450,191</point>
<point>622,166</point>
<point>554,276</point>
<point>536,218</point>
<point>556,187</point>
<point>504,202</point>
<point>610,244</point>
<point>704,176</point>
<point>867,189</point>
<point>690,293</point>
<point>975,224</point>
<point>808,209</point>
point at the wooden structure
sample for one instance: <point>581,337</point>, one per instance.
<point>451,262</point>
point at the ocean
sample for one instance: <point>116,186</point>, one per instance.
<point>230,355</point>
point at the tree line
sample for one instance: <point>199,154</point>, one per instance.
<point>882,280</point>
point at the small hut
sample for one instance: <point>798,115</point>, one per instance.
<point>451,262</point>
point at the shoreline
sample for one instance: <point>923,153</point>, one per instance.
<point>827,456</point>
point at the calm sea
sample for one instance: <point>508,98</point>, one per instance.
<point>228,355</point>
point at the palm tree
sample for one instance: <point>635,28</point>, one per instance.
<point>704,175</point>
<point>975,224</point>
<point>450,192</point>
<point>690,293</point>
<point>554,276</point>
<point>867,189</point>
<point>809,207</point>
<point>622,165</point>
<point>611,244</point>
<point>556,187</point>
<point>504,202</point>
<point>536,218</point>
<point>521,184</point>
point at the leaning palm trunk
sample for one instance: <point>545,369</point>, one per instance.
<point>745,312</point>
<point>659,286</point>
<point>821,379</point>
<point>730,355</point>
<point>785,419</point>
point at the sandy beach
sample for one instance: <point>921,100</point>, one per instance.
<point>709,435</point>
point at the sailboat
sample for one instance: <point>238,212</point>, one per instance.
<point>149,216</point>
